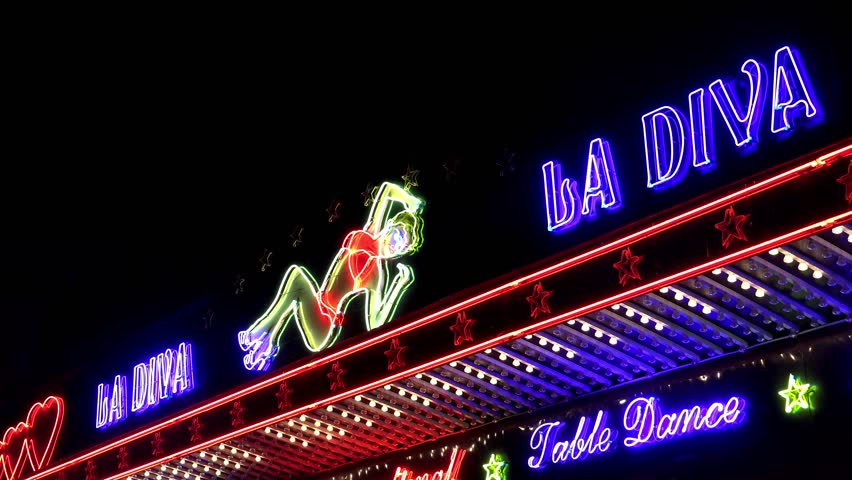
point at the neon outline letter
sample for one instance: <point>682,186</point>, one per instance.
<point>743,126</point>
<point>559,213</point>
<point>102,409</point>
<point>601,181</point>
<point>118,400</point>
<point>166,372</point>
<point>664,121</point>
<point>184,376</point>
<point>540,440</point>
<point>793,97</point>
<point>139,401</point>
<point>702,130</point>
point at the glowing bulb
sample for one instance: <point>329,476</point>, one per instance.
<point>788,259</point>
<point>817,274</point>
<point>759,293</point>
<point>732,278</point>
<point>613,341</point>
<point>529,369</point>
<point>837,230</point>
<point>706,310</point>
<point>774,251</point>
<point>658,326</point>
<point>598,334</point>
<point>803,266</point>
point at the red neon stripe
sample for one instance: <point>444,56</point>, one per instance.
<point>745,253</point>
<point>656,228</point>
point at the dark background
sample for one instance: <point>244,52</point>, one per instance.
<point>150,164</point>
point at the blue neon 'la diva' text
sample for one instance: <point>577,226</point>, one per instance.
<point>564,205</point>
<point>675,141</point>
<point>672,142</point>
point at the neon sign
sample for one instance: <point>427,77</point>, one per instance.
<point>361,266</point>
<point>796,395</point>
<point>33,440</point>
<point>163,376</point>
<point>674,140</point>
<point>451,473</point>
<point>643,423</point>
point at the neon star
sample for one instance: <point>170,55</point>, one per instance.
<point>394,354</point>
<point>461,329</point>
<point>237,412</point>
<point>335,376</point>
<point>333,210</point>
<point>538,300</point>
<point>495,469</point>
<point>410,178</point>
<point>284,396</point>
<point>796,395</point>
<point>732,227</point>
<point>628,267</point>
<point>846,180</point>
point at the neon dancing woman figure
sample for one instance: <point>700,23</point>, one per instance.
<point>361,266</point>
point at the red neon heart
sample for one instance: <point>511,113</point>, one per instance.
<point>45,421</point>
<point>14,450</point>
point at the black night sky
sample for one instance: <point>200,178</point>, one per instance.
<point>148,168</point>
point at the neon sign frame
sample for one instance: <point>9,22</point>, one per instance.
<point>673,139</point>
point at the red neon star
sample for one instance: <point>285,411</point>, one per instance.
<point>846,180</point>
<point>237,412</point>
<point>732,227</point>
<point>538,300</point>
<point>395,354</point>
<point>122,457</point>
<point>283,396</point>
<point>90,470</point>
<point>157,444</point>
<point>335,376</point>
<point>628,267</point>
<point>195,430</point>
<point>462,329</point>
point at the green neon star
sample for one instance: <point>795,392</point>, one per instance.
<point>795,395</point>
<point>495,468</point>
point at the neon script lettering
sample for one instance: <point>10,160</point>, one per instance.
<point>163,376</point>
<point>451,473</point>
<point>586,441</point>
<point>647,424</point>
<point>643,423</point>
<point>673,140</point>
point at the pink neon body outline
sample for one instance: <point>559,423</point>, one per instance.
<point>383,242</point>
